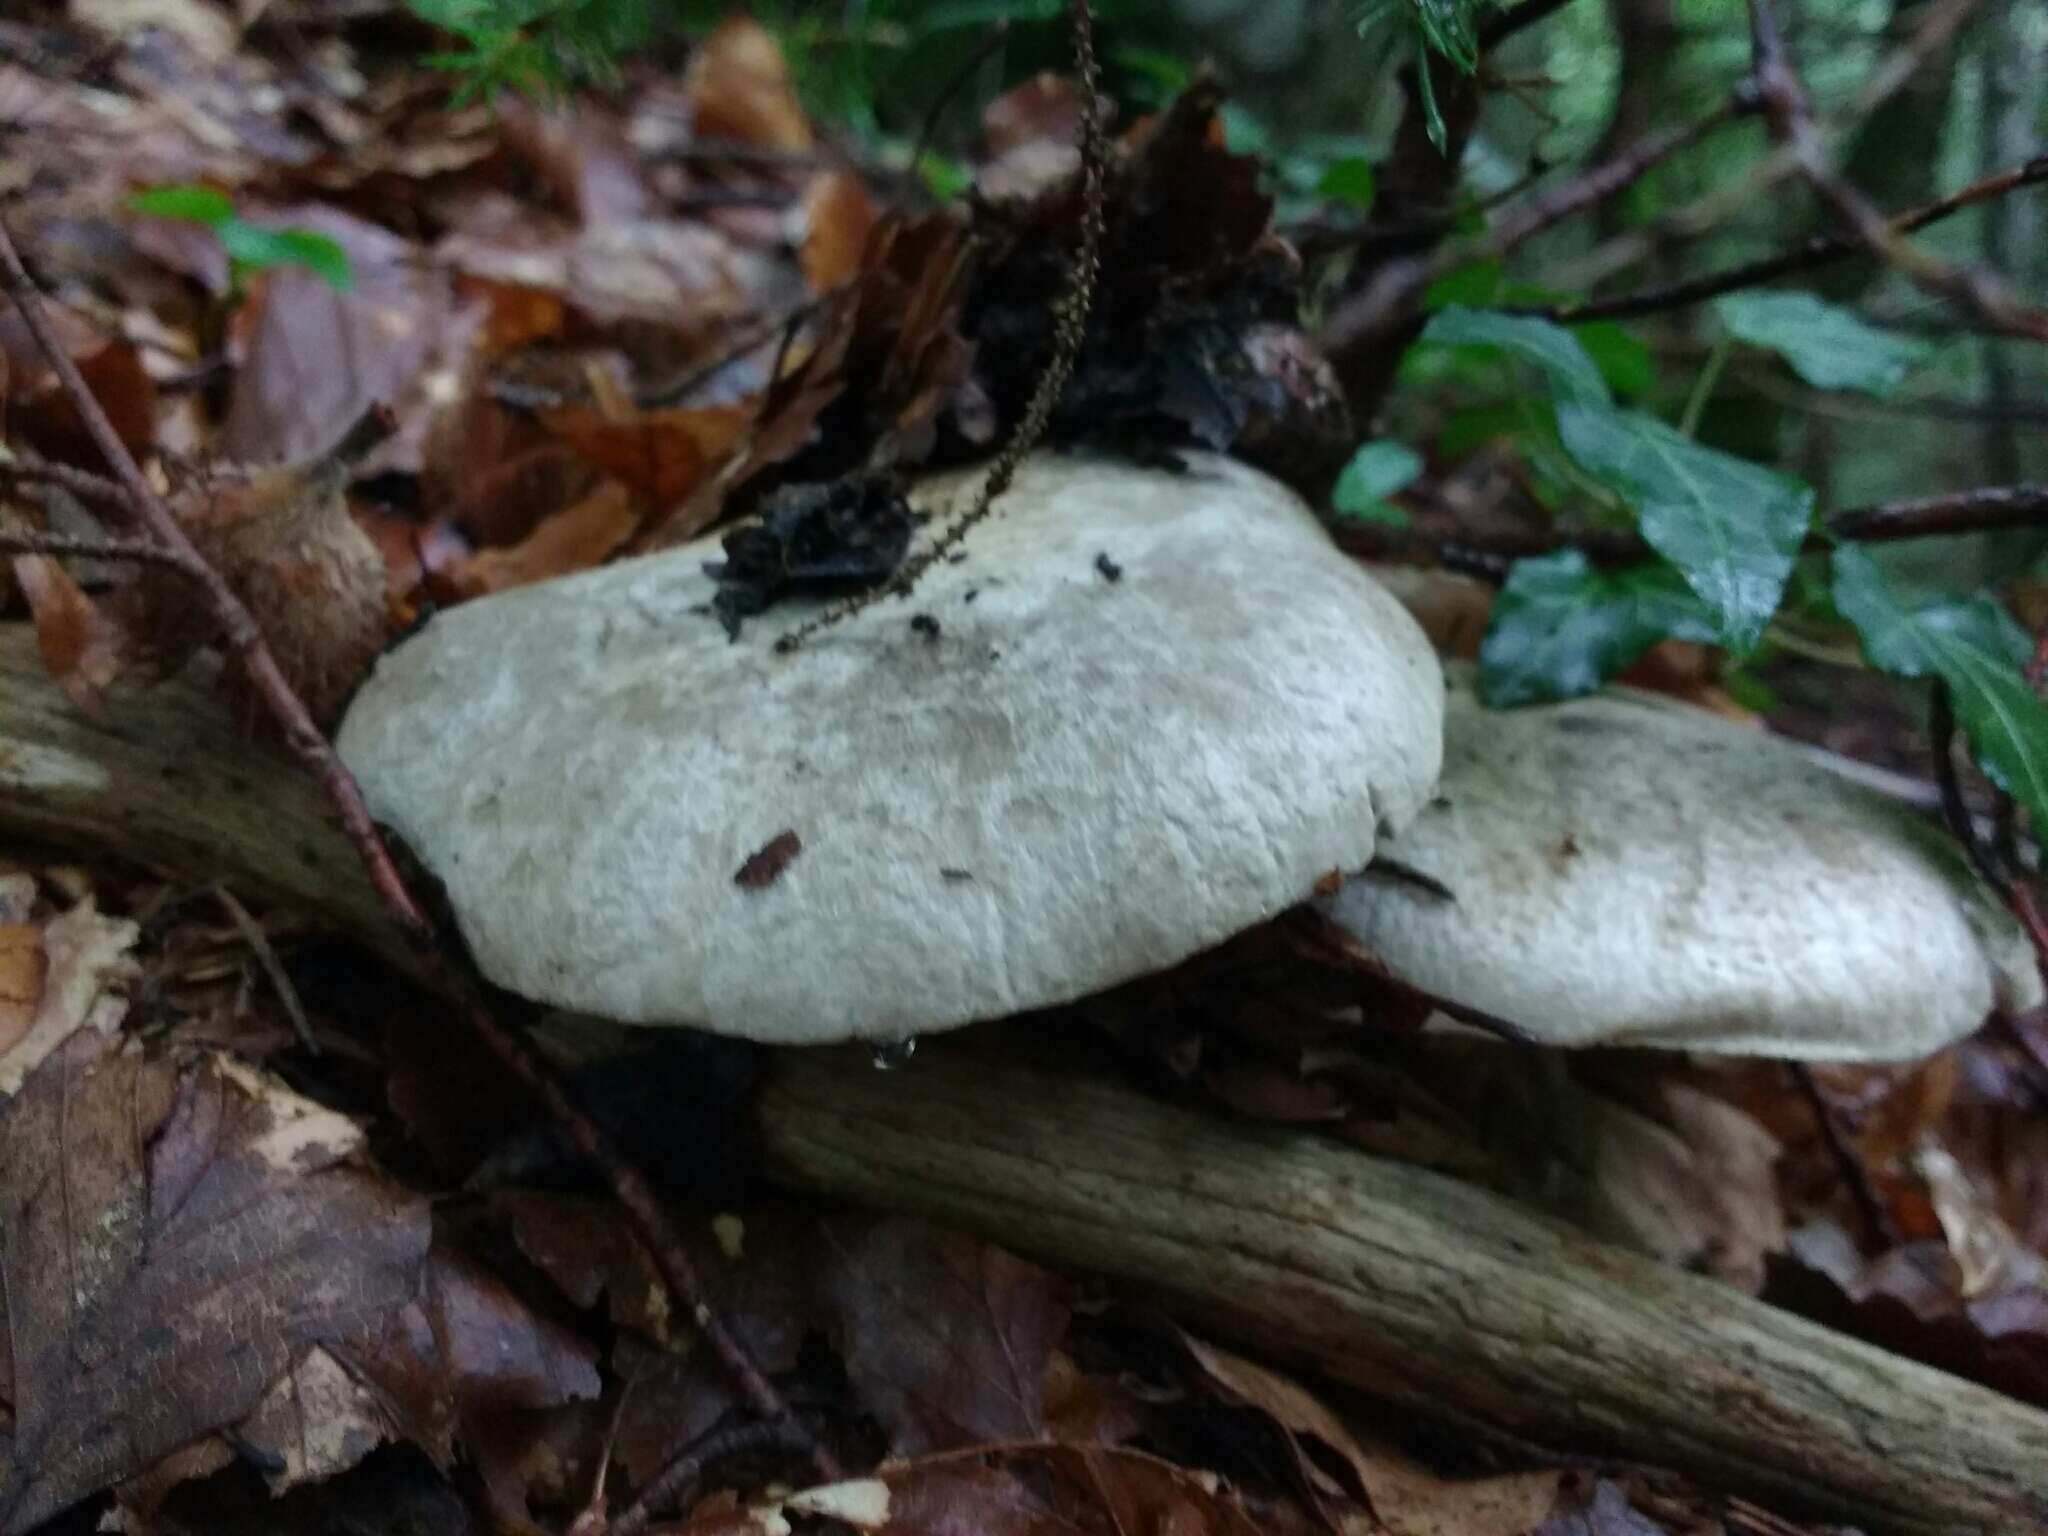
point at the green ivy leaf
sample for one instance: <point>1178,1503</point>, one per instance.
<point>944,177</point>
<point>1375,472</point>
<point>1971,644</point>
<point>1562,627</point>
<point>1572,375</point>
<point>1828,346</point>
<point>1350,180</point>
<point>260,250</point>
<point>1732,528</point>
<point>1622,357</point>
<point>189,205</point>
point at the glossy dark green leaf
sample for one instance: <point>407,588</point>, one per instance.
<point>1553,350</point>
<point>1375,472</point>
<point>1971,644</point>
<point>1828,346</point>
<point>1622,357</point>
<point>1562,627</point>
<point>1733,528</point>
<point>1351,180</point>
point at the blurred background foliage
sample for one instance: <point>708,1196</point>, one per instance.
<point>1317,99</point>
<point>1717,430</point>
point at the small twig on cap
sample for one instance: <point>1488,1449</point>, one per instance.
<point>1070,328</point>
<point>643,1205</point>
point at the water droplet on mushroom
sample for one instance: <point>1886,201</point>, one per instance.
<point>891,1054</point>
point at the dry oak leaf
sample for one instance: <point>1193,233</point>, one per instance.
<point>173,1240</point>
<point>839,214</point>
<point>83,966</point>
<point>582,534</point>
<point>1405,1498</point>
<point>739,87</point>
<point>79,646</point>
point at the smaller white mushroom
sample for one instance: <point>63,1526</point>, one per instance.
<point>1624,871</point>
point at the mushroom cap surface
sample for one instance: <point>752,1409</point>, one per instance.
<point>1076,780</point>
<point>1628,871</point>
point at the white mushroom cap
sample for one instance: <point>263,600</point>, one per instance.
<point>1077,781</point>
<point>1629,872</point>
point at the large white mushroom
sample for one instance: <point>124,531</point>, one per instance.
<point>1623,870</point>
<point>1147,710</point>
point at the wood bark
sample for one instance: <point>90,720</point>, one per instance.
<point>1407,1284</point>
<point>167,779</point>
<point>1436,1295</point>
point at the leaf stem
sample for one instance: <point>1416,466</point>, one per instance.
<point>1703,386</point>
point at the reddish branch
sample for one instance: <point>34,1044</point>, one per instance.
<point>1983,510</point>
<point>157,523</point>
<point>1989,507</point>
<point>1819,252</point>
<point>28,468</point>
<point>1371,315</point>
<point>668,1486</point>
<point>64,546</point>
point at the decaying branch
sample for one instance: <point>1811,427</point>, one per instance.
<point>1434,1294</point>
<point>1447,1298</point>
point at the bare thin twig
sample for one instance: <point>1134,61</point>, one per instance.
<point>1819,252</point>
<point>259,943</point>
<point>29,468</point>
<point>1367,318</point>
<point>1985,509</point>
<point>689,1464</point>
<point>313,750</point>
<point>1789,112</point>
<point>928,130</point>
<point>1712,209</point>
<point>64,546</point>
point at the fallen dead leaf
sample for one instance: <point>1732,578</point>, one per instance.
<point>579,536</point>
<point>79,646</point>
<point>168,1258</point>
<point>86,966</point>
<point>23,968</point>
<point>660,453</point>
<point>839,214</point>
<point>739,87</point>
<point>113,372</point>
<point>947,1340</point>
<point>315,360</point>
<point>1401,1497</point>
